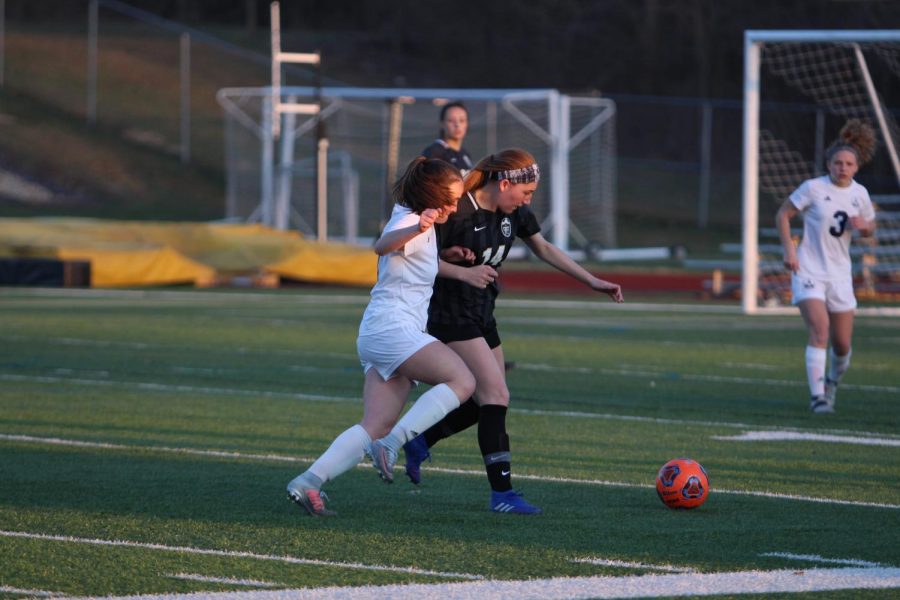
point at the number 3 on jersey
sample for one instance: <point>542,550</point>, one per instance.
<point>841,217</point>
<point>496,259</point>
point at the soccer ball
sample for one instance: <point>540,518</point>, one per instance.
<point>682,483</point>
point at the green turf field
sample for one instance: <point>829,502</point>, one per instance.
<point>146,438</point>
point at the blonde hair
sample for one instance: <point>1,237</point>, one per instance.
<point>510,159</point>
<point>858,137</point>
<point>426,184</point>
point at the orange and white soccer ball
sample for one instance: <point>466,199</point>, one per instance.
<point>682,483</point>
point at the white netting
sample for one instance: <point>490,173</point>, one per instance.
<point>359,126</point>
<point>807,93</point>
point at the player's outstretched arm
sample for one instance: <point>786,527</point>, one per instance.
<point>555,257</point>
<point>396,239</point>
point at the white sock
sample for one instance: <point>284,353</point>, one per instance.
<point>839,365</point>
<point>815,370</point>
<point>430,408</point>
<point>344,453</point>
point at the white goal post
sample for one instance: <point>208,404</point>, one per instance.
<point>799,89</point>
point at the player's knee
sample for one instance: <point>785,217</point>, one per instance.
<point>818,338</point>
<point>498,395</point>
<point>840,347</point>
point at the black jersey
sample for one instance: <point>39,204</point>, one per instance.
<point>458,158</point>
<point>490,235</point>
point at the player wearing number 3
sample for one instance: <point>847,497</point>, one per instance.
<point>474,242</point>
<point>833,206</point>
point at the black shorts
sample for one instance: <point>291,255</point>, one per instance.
<point>461,333</point>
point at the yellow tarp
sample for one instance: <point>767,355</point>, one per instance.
<point>132,253</point>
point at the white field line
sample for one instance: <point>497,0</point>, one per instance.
<point>239,350</point>
<point>797,436</point>
<point>468,473</point>
<point>358,300</point>
<point>164,449</point>
<point>664,421</point>
<point>671,376</point>
<point>167,388</point>
<point>361,299</point>
<point>715,490</point>
<point>625,564</point>
<point>5,589</point>
<point>567,588</point>
<point>293,560</point>
<point>225,580</point>
<point>181,389</point>
<point>851,562</point>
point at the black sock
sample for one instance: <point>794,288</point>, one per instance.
<point>455,421</point>
<point>494,444</point>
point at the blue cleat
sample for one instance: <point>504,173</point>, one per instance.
<point>512,502</point>
<point>416,453</point>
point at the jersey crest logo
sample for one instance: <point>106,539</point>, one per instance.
<point>856,202</point>
<point>506,227</point>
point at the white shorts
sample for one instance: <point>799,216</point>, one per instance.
<point>836,294</point>
<point>385,351</point>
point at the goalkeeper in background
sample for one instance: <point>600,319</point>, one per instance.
<point>832,206</point>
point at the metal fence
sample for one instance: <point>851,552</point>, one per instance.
<point>155,82</point>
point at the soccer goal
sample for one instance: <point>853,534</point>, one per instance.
<point>800,87</point>
<point>374,132</point>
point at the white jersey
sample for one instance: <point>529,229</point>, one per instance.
<point>824,252</point>
<point>405,280</point>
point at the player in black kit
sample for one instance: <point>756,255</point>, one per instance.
<point>448,147</point>
<point>474,243</point>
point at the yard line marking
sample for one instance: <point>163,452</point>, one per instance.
<point>564,588</point>
<point>5,589</point>
<point>240,350</point>
<point>323,398</point>
<point>797,436</point>
<point>446,471</point>
<point>717,490</point>
<point>665,421</point>
<point>673,376</point>
<point>213,296</point>
<point>605,562</point>
<point>234,554</point>
<point>164,387</point>
<point>165,449</point>
<point>853,562</point>
<point>225,580</point>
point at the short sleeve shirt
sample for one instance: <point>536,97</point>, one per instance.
<point>490,236</point>
<point>405,279</point>
<point>458,158</point>
<point>824,252</point>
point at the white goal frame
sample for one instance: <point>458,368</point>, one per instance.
<point>557,134</point>
<point>753,43</point>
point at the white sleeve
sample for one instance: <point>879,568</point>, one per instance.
<point>801,197</point>
<point>402,218</point>
<point>415,244</point>
<point>867,211</point>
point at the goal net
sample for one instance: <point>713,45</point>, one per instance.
<point>800,89</point>
<point>373,133</point>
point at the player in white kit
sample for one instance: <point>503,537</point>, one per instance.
<point>833,206</point>
<point>394,348</point>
